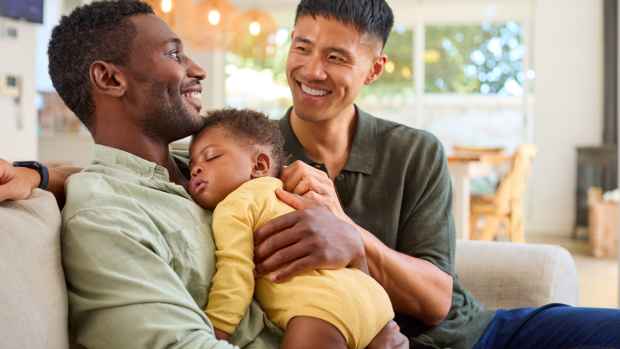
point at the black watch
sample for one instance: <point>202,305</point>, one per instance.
<point>39,167</point>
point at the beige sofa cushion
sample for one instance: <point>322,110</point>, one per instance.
<point>33,300</point>
<point>510,275</point>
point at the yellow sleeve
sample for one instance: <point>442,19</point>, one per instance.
<point>232,287</point>
<point>234,221</point>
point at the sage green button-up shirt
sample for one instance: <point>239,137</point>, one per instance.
<point>139,258</point>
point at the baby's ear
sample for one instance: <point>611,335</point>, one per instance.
<point>262,165</point>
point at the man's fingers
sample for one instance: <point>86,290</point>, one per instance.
<point>4,193</point>
<point>9,192</point>
<point>295,268</point>
<point>403,343</point>
<point>287,171</point>
<point>309,184</point>
<point>283,258</point>
<point>303,186</point>
<point>275,225</point>
<point>295,201</point>
<point>292,174</point>
<point>7,172</point>
<point>299,171</point>
<point>276,242</point>
<point>315,197</point>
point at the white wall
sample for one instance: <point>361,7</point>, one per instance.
<point>18,59</point>
<point>568,58</point>
<point>26,58</point>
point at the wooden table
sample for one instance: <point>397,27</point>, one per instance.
<point>462,169</point>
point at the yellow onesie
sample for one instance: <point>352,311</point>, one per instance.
<point>347,298</point>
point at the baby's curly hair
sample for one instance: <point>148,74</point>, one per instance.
<point>251,127</point>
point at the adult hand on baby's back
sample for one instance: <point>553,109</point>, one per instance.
<point>306,239</point>
<point>313,184</point>
<point>389,338</point>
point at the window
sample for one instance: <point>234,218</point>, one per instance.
<point>260,82</point>
<point>475,59</point>
<point>474,84</point>
<point>392,96</point>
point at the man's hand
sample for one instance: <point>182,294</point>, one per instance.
<point>16,183</point>
<point>305,240</point>
<point>313,184</point>
<point>221,335</point>
<point>389,338</point>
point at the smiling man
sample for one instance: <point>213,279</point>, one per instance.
<point>391,183</point>
<point>137,250</point>
<point>369,192</point>
<point>137,255</point>
<point>137,259</point>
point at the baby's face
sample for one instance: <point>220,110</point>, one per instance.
<point>218,166</point>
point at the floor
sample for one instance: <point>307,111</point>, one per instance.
<point>598,278</point>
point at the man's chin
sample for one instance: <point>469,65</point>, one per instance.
<point>194,120</point>
<point>184,127</point>
<point>309,115</point>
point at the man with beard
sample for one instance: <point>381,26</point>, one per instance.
<point>129,258</point>
<point>137,252</point>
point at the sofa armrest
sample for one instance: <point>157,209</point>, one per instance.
<point>33,298</point>
<point>510,275</point>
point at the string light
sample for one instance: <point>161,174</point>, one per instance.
<point>406,72</point>
<point>214,17</point>
<point>255,28</point>
<point>166,6</point>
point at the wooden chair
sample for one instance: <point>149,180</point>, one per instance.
<point>505,207</point>
<point>464,149</point>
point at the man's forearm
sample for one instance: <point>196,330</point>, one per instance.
<point>415,286</point>
<point>57,177</point>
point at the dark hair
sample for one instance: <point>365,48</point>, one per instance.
<point>374,17</point>
<point>99,31</point>
<point>252,127</point>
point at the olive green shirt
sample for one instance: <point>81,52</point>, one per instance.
<point>396,185</point>
<point>139,257</point>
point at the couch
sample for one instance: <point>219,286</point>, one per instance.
<point>33,303</point>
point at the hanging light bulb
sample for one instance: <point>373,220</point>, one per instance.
<point>259,29</point>
<point>166,6</point>
<point>255,28</point>
<point>214,17</point>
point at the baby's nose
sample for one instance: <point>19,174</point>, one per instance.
<point>196,171</point>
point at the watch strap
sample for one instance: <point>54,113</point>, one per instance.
<point>40,168</point>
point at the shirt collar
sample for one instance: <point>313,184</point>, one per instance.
<point>362,156</point>
<point>118,158</point>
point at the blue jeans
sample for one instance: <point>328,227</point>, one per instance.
<point>553,326</point>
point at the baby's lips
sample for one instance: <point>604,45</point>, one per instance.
<point>195,183</point>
